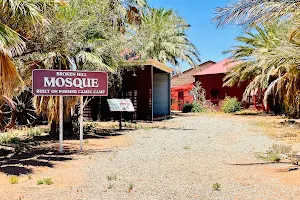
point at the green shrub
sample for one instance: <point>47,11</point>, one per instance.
<point>216,186</point>
<point>187,108</point>
<point>130,187</point>
<point>34,132</point>
<point>9,139</point>
<point>87,128</point>
<point>194,107</point>
<point>112,177</point>
<point>197,108</point>
<point>276,152</point>
<point>48,181</point>
<point>231,105</point>
<point>40,182</point>
<point>13,180</point>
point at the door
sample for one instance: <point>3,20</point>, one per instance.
<point>161,94</point>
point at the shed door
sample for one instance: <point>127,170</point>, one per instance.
<point>161,94</point>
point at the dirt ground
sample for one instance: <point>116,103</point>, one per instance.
<point>69,171</point>
<point>44,161</point>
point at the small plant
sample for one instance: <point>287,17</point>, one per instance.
<point>194,107</point>
<point>34,132</point>
<point>110,186</point>
<point>231,105</point>
<point>9,139</point>
<point>14,180</point>
<point>147,128</point>
<point>216,187</point>
<point>130,187</point>
<point>276,152</point>
<point>29,177</point>
<point>186,147</point>
<point>88,128</point>
<point>137,126</point>
<point>40,182</point>
<point>112,177</point>
<point>48,181</point>
<point>271,157</point>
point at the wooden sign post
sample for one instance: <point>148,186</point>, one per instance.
<point>69,83</point>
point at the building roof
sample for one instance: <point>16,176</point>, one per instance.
<point>198,67</point>
<point>151,62</point>
<point>183,87</point>
<point>187,77</point>
<point>219,68</point>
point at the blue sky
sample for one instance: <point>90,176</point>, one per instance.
<point>210,41</point>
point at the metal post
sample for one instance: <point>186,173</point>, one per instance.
<point>120,122</point>
<point>81,122</point>
<point>61,123</point>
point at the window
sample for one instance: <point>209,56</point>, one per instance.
<point>180,96</point>
<point>214,94</point>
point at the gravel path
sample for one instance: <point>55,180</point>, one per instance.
<point>184,164</point>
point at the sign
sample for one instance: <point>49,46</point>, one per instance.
<point>69,83</point>
<point>120,105</point>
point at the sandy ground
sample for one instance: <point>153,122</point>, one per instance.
<point>65,170</point>
<point>179,159</point>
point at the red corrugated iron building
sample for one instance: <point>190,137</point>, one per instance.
<point>182,84</point>
<point>212,81</point>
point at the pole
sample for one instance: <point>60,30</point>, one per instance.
<point>120,122</point>
<point>61,123</point>
<point>81,122</point>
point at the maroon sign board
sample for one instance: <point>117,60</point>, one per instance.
<point>69,83</point>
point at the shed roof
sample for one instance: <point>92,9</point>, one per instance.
<point>219,68</point>
<point>152,62</point>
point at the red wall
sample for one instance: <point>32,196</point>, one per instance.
<point>139,90</point>
<point>178,104</point>
<point>215,82</point>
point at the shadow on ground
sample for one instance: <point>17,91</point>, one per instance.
<point>42,151</point>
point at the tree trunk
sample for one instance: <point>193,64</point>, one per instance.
<point>53,129</point>
<point>68,126</point>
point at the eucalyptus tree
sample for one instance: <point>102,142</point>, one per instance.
<point>162,35</point>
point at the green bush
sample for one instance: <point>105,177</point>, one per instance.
<point>187,108</point>
<point>197,108</point>
<point>13,180</point>
<point>40,182</point>
<point>194,107</point>
<point>34,132</point>
<point>48,181</point>
<point>87,128</point>
<point>9,139</point>
<point>231,105</point>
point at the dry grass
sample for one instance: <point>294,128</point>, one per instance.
<point>276,127</point>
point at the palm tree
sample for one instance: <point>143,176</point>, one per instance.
<point>255,12</point>
<point>269,60</point>
<point>77,40</point>
<point>17,19</point>
<point>162,36</point>
<point>264,40</point>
